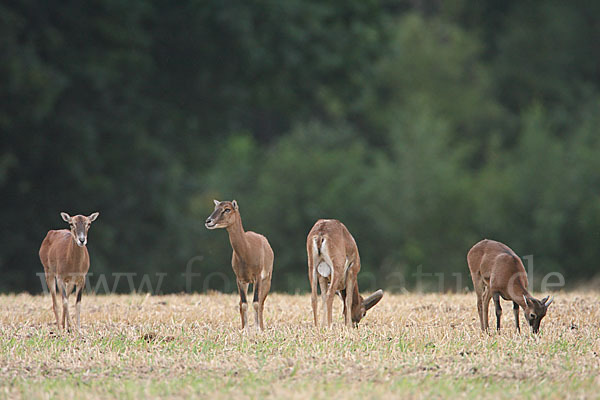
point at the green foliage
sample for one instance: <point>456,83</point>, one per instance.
<point>546,53</point>
<point>539,188</point>
<point>423,127</point>
<point>312,173</point>
<point>417,198</point>
<point>436,64</point>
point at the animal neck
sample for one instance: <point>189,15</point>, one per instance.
<point>237,237</point>
<point>74,252</point>
<point>356,300</point>
<point>520,290</point>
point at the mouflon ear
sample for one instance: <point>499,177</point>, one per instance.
<point>93,216</point>
<point>547,303</point>
<point>235,204</point>
<point>527,301</point>
<point>373,299</point>
<point>66,217</point>
<point>217,202</point>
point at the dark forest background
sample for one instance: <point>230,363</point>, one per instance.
<point>423,125</point>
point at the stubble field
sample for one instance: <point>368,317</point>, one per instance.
<point>181,346</point>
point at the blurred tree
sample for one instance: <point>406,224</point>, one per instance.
<point>547,54</point>
<point>436,64</point>
<point>417,192</point>
<point>423,126</point>
<point>309,174</point>
<point>542,197</point>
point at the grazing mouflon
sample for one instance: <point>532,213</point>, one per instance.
<point>334,263</point>
<point>498,272</point>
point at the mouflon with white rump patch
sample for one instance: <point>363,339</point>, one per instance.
<point>334,262</point>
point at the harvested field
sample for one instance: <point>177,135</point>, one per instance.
<point>180,346</point>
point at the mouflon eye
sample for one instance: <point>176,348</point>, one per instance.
<point>226,210</point>
<point>532,316</point>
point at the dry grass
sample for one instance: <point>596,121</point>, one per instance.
<point>417,346</point>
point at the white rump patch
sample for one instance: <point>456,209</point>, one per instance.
<point>324,269</point>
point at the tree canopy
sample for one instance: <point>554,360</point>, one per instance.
<point>423,126</point>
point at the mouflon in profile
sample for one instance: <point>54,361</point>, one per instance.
<point>498,272</point>
<point>252,259</point>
